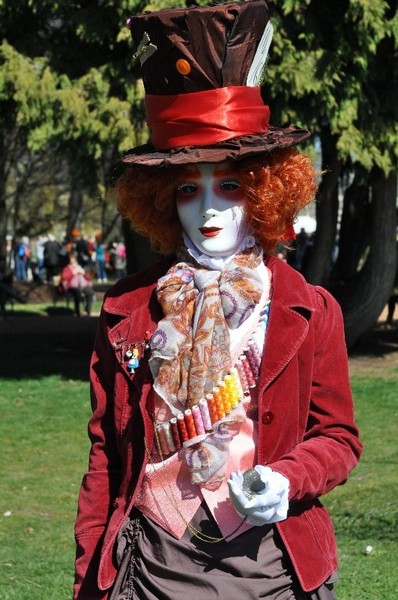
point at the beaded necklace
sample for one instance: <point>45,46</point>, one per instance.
<point>193,424</point>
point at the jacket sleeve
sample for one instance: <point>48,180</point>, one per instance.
<point>330,448</point>
<point>102,479</point>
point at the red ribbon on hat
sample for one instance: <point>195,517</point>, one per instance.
<point>207,117</point>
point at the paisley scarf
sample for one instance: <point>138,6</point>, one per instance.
<point>191,346</point>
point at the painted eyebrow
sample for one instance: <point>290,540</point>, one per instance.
<point>225,172</point>
<point>191,172</point>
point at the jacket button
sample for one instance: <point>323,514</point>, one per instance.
<point>267,418</point>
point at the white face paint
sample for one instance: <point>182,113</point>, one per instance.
<point>211,207</point>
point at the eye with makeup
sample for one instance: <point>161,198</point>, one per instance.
<point>186,188</point>
<point>230,185</point>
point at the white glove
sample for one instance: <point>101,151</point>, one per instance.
<point>265,506</point>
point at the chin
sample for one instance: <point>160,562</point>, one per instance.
<point>217,252</point>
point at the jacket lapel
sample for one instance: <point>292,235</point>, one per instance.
<point>291,310</point>
<point>133,306</point>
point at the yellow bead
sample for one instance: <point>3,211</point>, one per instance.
<point>232,391</point>
<point>239,390</point>
<point>225,397</point>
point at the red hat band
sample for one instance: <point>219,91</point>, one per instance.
<point>206,117</point>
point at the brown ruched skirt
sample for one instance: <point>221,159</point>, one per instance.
<point>155,566</point>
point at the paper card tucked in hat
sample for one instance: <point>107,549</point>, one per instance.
<point>202,69</point>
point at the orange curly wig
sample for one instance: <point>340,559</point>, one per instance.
<point>277,186</point>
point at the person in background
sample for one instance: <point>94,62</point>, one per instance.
<point>7,290</point>
<point>300,249</point>
<point>21,259</point>
<point>39,256</point>
<point>222,408</point>
<point>81,249</point>
<point>51,258</point>
<point>393,300</point>
<point>100,253</point>
<point>76,282</point>
<point>118,259</point>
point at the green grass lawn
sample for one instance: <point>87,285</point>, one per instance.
<point>43,456</point>
<point>44,446</point>
<point>365,510</point>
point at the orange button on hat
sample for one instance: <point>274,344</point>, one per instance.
<point>183,66</point>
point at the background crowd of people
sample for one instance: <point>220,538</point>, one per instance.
<point>71,267</point>
<point>44,257</point>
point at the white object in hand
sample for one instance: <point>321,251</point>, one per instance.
<point>261,506</point>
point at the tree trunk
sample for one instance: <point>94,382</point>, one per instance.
<point>3,211</point>
<point>355,228</point>
<point>138,250</point>
<point>318,267</point>
<point>364,297</point>
<point>75,206</point>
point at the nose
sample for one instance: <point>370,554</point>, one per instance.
<point>210,212</point>
<point>208,202</point>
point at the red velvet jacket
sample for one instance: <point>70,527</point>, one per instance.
<point>306,423</point>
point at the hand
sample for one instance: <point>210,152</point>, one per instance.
<point>265,507</point>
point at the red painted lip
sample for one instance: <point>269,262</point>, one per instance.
<point>210,231</point>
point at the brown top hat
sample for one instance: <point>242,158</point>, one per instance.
<point>202,69</point>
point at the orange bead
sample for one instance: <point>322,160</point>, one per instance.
<point>183,66</point>
<point>219,402</point>
<point>190,423</point>
<point>211,403</point>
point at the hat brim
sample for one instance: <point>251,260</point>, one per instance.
<point>233,149</point>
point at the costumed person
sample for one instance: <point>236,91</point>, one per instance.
<point>222,408</point>
<point>76,282</point>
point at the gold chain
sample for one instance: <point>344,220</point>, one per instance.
<point>195,532</point>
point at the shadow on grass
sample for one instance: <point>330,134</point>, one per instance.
<point>56,342</point>
<point>377,342</point>
<point>59,311</point>
<point>33,346</point>
<point>364,526</point>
